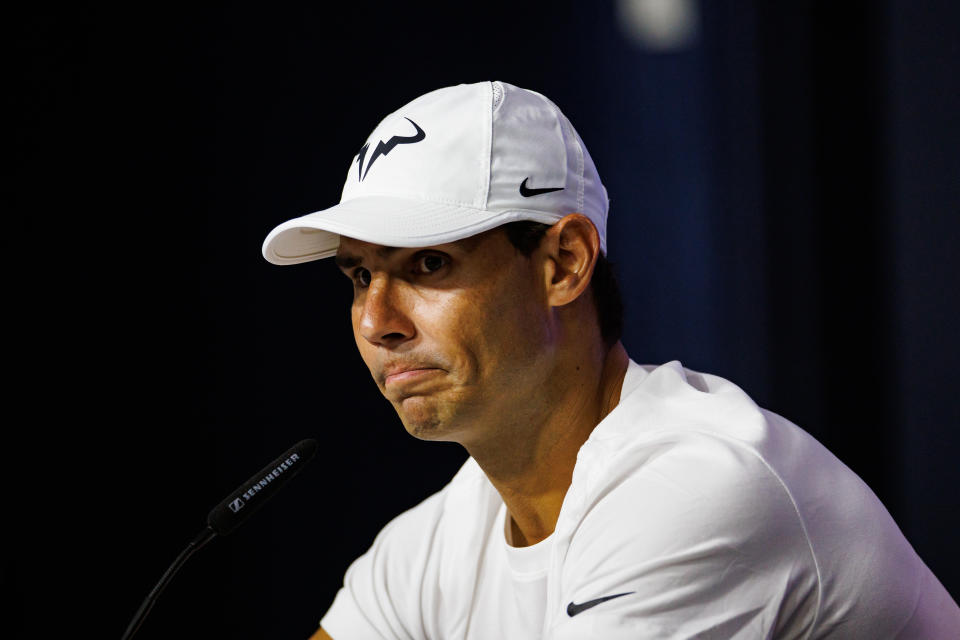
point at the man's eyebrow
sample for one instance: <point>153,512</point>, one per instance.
<point>346,260</point>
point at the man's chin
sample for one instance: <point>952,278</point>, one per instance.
<point>422,419</point>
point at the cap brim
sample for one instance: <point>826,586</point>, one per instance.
<point>389,221</point>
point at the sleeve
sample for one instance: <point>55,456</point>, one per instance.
<point>382,597</point>
<point>705,541</point>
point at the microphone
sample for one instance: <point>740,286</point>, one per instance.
<point>237,507</point>
<point>233,511</point>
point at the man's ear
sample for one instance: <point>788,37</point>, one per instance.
<point>571,247</point>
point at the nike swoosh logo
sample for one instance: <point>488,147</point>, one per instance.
<point>526,192</point>
<point>574,609</point>
<point>383,148</point>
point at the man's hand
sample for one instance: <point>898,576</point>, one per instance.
<point>321,635</point>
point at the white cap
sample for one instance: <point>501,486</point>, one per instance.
<point>453,163</point>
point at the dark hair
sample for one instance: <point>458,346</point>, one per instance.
<point>526,235</point>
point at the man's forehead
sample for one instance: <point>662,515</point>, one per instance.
<point>351,251</point>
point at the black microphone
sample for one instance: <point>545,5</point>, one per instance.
<point>235,509</point>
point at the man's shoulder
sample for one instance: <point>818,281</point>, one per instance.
<point>688,520</point>
<point>706,435</point>
<point>698,475</point>
<point>693,471</point>
<point>687,452</point>
<point>658,399</point>
<point>671,417</point>
<point>465,500</point>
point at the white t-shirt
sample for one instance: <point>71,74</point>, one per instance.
<point>705,515</point>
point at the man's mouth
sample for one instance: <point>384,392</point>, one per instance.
<point>408,375</point>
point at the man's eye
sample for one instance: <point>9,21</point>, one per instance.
<point>430,263</point>
<point>362,277</point>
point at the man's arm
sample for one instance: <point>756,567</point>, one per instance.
<point>321,635</point>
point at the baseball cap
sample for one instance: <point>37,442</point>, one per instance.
<point>450,164</point>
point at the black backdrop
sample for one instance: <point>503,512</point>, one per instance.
<point>785,203</point>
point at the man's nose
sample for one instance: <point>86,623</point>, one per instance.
<point>383,317</point>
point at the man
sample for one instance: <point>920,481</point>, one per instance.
<point>601,499</point>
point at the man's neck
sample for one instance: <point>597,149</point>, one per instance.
<point>533,471</point>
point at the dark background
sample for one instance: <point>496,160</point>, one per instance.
<point>785,187</point>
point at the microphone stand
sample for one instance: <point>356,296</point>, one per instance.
<point>195,545</point>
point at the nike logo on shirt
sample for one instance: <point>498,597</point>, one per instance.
<point>574,609</point>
